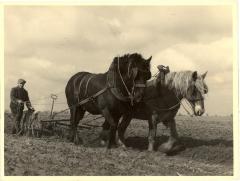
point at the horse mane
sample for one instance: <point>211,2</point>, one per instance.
<point>132,55</point>
<point>123,59</point>
<point>180,82</point>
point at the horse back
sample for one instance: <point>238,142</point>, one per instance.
<point>82,85</point>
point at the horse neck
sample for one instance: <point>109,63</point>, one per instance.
<point>117,81</point>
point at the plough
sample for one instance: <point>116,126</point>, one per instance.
<point>33,125</point>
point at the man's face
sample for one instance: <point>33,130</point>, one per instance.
<point>21,85</point>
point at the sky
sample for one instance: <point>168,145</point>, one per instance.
<point>46,45</point>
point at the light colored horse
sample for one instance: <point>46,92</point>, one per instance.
<point>162,102</point>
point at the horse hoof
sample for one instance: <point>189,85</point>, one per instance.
<point>124,148</point>
<point>77,142</point>
<point>173,150</point>
<point>121,144</point>
<point>150,148</point>
<point>114,146</point>
<point>103,143</point>
<point>70,138</point>
<point>176,149</point>
<point>165,148</point>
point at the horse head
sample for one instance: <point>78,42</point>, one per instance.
<point>134,71</point>
<point>188,85</point>
<point>195,93</point>
<point>138,72</point>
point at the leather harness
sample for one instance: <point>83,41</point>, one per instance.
<point>111,83</point>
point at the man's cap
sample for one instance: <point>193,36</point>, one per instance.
<point>21,81</point>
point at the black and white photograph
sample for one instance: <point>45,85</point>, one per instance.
<point>119,90</point>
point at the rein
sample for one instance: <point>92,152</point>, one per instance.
<point>194,100</point>
<point>130,94</point>
<point>172,108</point>
<point>114,90</point>
<point>184,106</point>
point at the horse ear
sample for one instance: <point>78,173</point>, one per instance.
<point>149,59</point>
<point>204,75</point>
<point>194,75</point>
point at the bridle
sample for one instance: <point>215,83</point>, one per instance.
<point>190,102</point>
<point>195,99</point>
<point>191,99</point>
<point>139,85</point>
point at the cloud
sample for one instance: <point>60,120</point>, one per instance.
<point>48,44</point>
<point>192,23</point>
<point>215,57</point>
<point>174,59</point>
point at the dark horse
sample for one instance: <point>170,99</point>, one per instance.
<point>110,94</point>
<point>161,103</point>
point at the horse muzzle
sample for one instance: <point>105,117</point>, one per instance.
<point>198,110</point>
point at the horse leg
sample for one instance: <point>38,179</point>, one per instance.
<point>30,125</point>
<point>23,129</point>
<point>120,140</point>
<point>126,119</point>
<point>28,129</point>
<point>77,114</point>
<point>105,133</point>
<point>72,118</point>
<point>113,127</point>
<point>152,124</point>
<point>18,122</point>
<point>33,134</point>
<point>114,134</point>
<point>171,145</point>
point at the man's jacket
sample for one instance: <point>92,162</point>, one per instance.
<point>18,93</point>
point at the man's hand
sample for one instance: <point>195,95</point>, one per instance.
<point>31,108</point>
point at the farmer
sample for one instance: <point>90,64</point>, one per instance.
<point>19,96</point>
